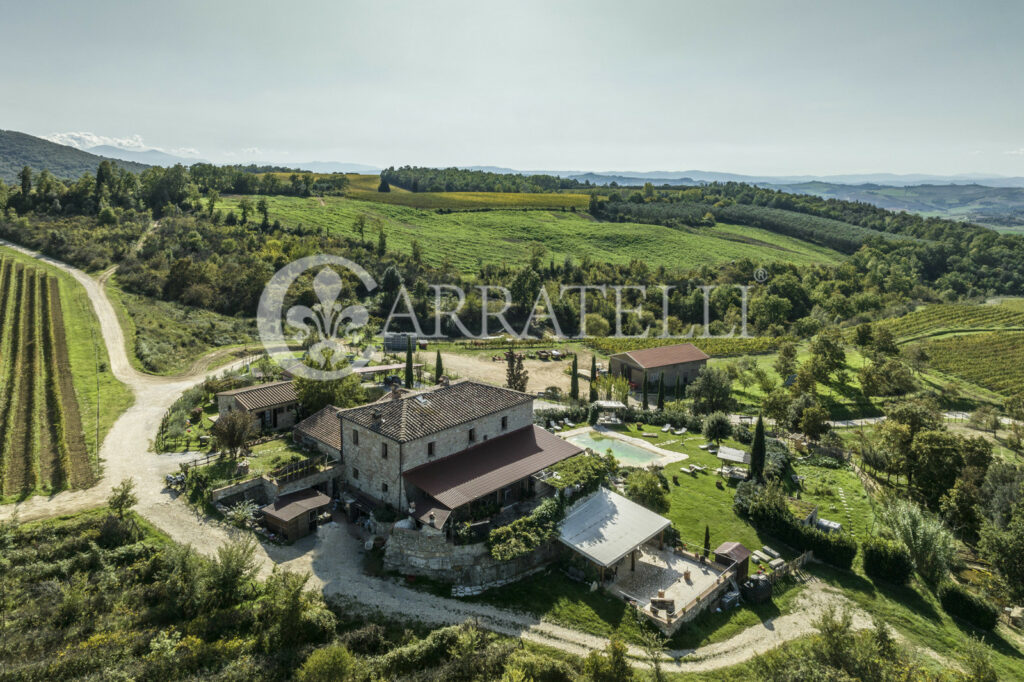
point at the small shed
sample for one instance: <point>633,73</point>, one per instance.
<point>729,553</point>
<point>295,515</point>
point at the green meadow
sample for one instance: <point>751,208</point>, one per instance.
<point>469,239</point>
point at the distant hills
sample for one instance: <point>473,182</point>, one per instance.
<point>18,149</point>
<point>150,157</point>
<point>692,177</point>
<point>996,201</point>
<point>998,207</point>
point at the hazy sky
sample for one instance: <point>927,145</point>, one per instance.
<point>752,87</point>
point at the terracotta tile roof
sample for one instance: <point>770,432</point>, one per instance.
<point>490,465</point>
<point>322,426</point>
<point>421,414</point>
<point>289,507</point>
<point>665,355</point>
<point>262,396</point>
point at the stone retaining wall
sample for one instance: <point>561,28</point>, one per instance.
<point>469,567</point>
<point>262,490</point>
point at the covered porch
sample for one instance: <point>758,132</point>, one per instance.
<point>493,479</point>
<point>609,531</point>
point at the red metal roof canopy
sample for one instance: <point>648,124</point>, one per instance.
<point>491,465</point>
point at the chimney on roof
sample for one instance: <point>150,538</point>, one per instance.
<point>377,415</point>
<point>431,518</point>
<point>396,391</point>
<point>444,380</point>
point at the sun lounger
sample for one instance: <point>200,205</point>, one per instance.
<point>776,564</point>
<point>679,432</point>
<point>666,428</point>
<point>650,435</point>
<point>704,446</point>
<point>569,424</point>
<point>770,552</point>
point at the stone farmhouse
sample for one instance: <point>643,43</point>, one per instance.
<point>441,454</point>
<point>273,404</point>
<point>680,362</point>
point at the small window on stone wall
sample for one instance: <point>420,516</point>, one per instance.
<point>355,474</point>
<point>504,423</point>
<point>383,487</point>
<point>355,437</point>
<point>430,449</point>
<point>384,450</point>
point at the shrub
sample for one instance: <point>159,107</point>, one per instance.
<point>327,664</point>
<point>931,545</point>
<point>525,535</point>
<point>369,640</point>
<point>960,603</point>
<point>776,459</point>
<point>887,560</point>
<point>743,434</point>
<point>418,655</point>
<point>645,487</point>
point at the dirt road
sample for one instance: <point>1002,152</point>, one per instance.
<point>333,555</point>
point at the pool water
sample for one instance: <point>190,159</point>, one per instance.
<point>627,453</point>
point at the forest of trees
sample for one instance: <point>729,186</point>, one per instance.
<point>417,179</point>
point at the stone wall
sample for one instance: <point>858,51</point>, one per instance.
<point>263,490</point>
<point>469,567</point>
<point>260,490</point>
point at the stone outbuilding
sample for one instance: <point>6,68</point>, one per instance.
<point>274,404</point>
<point>680,362</point>
<point>297,514</point>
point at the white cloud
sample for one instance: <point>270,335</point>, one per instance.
<point>251,151</point>
<point>132,143</point>
<point>1015,152</point>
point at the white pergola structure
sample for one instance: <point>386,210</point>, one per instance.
<point>605,527</point>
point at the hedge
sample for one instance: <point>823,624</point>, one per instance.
<point>838,549</point>
<point>887,560</point>
<point>960,603</point>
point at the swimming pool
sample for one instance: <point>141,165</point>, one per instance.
<point>627,453</point>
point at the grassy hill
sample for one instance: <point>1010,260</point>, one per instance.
<point>472,238</point>
<point>18,149</point>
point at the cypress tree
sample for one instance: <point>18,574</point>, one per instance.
<point>438,367</point>
<point>574,382</point>
<point>646,405</point>
<point>661,392</point>
<point>679,395</point>
<point>707,541</point>
<point>757,452</point>
<point>593,378</point>
<point>408,364</point>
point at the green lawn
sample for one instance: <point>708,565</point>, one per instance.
<point>94,383</point>
<point>164,337</point>
<point>469,239</point>
<point>265,458</point>
<point>551,595</point>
